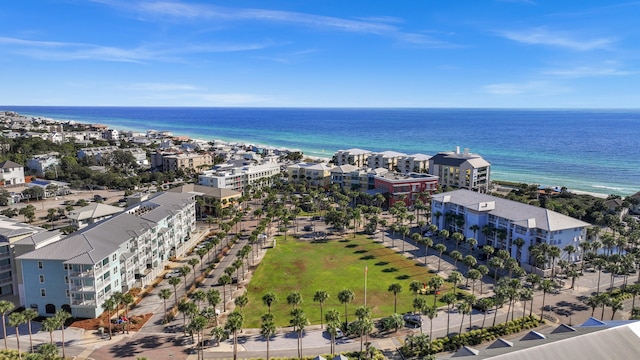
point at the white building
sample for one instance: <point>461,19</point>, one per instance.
<point>498,222</point>
<point>237,178</point>
<point>461,169</point>
<point>11,173</point>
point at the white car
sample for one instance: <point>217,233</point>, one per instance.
<point>172,274</point>
<point>428,234</point>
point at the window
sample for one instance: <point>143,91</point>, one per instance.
<point>66,266</point>
<point>114,257</point>
<point>43,292</point>
<point>105,261</point>
<point>66,279</point>
<point>40,265</point>
<point>41,277</point>
<point>67,293</point>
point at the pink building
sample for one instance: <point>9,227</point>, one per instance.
<point>395,186</point>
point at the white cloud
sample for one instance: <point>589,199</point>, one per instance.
<point>533,88</point>
<point>175,11</point>
<point>163,87</point>
<point>542,36</point>
<point>607,69</point>
<point>61,51</point>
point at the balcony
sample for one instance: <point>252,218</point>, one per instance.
<point>6,281</point>
<point>75,302</point>
<point>82,288</point>
<point>5,267</point>
<point>83,274</point>
<point>5,255</point>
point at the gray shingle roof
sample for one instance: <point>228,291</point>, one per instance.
<point>94,243</point>
<point>519,213</point>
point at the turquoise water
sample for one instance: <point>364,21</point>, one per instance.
<point>588,150</point>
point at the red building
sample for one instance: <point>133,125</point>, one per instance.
<point>395,186</point>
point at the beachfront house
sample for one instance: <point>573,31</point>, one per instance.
<point>499,222</point>
<point>81,271</point>
<point>355,157</point>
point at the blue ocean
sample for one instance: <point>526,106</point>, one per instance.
<point>596,151</point>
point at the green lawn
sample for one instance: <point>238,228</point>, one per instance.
<point>335,265</point>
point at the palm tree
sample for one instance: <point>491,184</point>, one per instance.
<point>224,280</point>
<point>345,297</point>
<point>473,275</point>
<point>233,324</point>
<point>456,256</point>
<point>16,319</point>
<point>395,288</point>
<point>432,313</point>
<point>269,299</point>
<point>50,324</point>
<point>333,322</point>
<point>109,305</point>
<point>449,299</point>
<point>484,270</point>
<point>184,271</point>
<point>484,304</point>
<point>5,307</point>
<point>435,283</point>
<point>193,262</point>
<point>197,325</point>
<point>199,296</point>
<point>496,263</point>
<point>165,294</point>
<point>62,317</point>
<point>174,281</point>
<point>294,299</point>
<point>321,297</point>
<point>363,325</point>
<point>267,328</point>
<point>299,321</point>
<point>440,248</point>
<point>415,287</point>
<point>242,301</point>
<point>546,286</point>
<point>30,314</point>
<point>127,299</point>
<point>455,277</point>
<point>463,308</point>
<point>218,333</point>
<point>614,303</point>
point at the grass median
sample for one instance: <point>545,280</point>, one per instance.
<point>306,266</point>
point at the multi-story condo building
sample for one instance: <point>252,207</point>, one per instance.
<point>316,174</point>
<point>462,170</point>
<point>17,238</point>
<point>239,177</point>
<point>386,160</point>
<point>356,157</point>
<point>354,178</point>
<point>498,222</point>
<point>407,187</point>
<point>91,214</point>
<point>413,163</point>
<point>79,272</point>
<point>184,161</point>
<point>11,173</point>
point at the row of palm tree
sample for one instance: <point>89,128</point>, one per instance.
<point>26,316</point>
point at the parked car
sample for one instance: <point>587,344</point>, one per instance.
<point>428,234</point>
<point>172,274</point>
<point>98,197</point>
<point>307,228</point>
<point>412,320</point>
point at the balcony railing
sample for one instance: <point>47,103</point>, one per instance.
<point>80,288</point>
<point>83,302</point>
<point>6,281</point>
<point>86,273</point>
<point>5,267</point>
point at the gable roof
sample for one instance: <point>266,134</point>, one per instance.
<point>8,164</point>
<point>93,211</point>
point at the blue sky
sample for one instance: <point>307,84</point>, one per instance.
<point>323,53</point>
